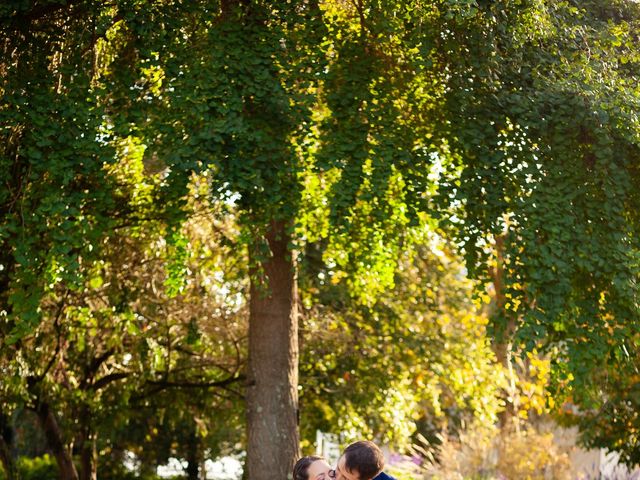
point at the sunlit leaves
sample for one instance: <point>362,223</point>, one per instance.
<point>353,124</point>
<point>540,103</point>
<point>415,359</point>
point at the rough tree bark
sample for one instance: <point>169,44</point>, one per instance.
<point>272,395</point>
<point>54,437</point>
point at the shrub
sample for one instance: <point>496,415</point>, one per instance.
<point>485,453</point>
<point>45,468</point>
<point>36,468</point>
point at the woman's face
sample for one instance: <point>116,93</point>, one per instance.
<point>319,470</point>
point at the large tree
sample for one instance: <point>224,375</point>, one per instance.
<point>291,105</point>
<point>320,121</point>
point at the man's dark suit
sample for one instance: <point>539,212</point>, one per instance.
<point>383,476</point>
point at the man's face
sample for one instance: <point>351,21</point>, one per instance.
<point>342,473</point>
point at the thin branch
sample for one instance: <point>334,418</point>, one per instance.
<point>56,324</point>
<point>106,380</point>
<point>93,368</point>
<point>184,384</point>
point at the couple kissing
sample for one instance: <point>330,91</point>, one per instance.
<point>360,461</point>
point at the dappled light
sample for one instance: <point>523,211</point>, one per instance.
<point>235,233</point>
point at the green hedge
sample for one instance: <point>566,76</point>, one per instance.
<point>38,468</point>
<point>45,468</point>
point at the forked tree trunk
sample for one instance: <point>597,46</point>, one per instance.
<point>272,395</point>
<point>55,442</point>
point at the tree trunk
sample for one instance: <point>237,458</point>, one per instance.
<point>272,395</point>
<point>87,444</point>
<point>89,458</point>
<point>6,455</point>
<point>55,442</point>
<point>203,468</point>
<point>502,345</point>
<point>193,459</point>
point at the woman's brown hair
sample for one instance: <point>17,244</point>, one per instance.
<point>301,468</point>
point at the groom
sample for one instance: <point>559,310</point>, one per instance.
<point>361,461</point>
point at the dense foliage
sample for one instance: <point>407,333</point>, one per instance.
<point>543,122</point>
<point>417,361</point>
<point>160,160</point>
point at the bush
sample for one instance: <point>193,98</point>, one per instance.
<point>36,468</point>
<point>483,453</point>
<point>45,468</point>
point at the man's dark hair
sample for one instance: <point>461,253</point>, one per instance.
<point>365,458</point>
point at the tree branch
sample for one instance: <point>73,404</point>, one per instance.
<point>185,384</point>
<point>106,380</point>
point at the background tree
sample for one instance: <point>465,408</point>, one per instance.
<point>416,361</point>
<point>542,130</point>
<point>146,319</point>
